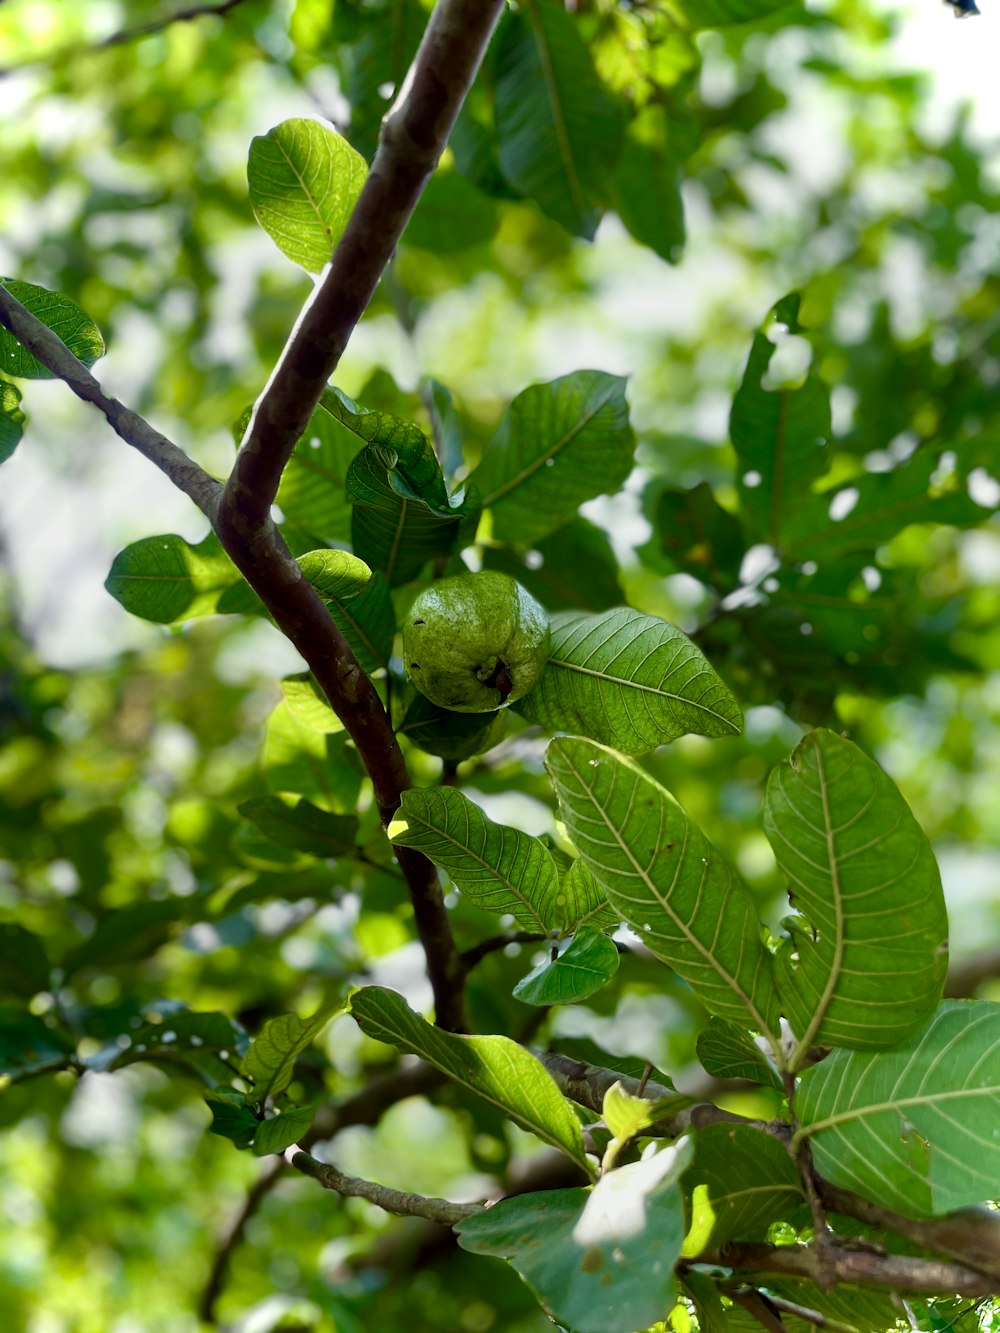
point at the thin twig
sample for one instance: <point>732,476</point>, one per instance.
<point>400,1202</point>
<point>233,1235</point>
<point>470,957</point>
<point>49,349</point>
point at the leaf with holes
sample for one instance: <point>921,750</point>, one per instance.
<point>915,1127</point>
<point>558,128</point>
<point>666,879</point>
<point>560,443</point>
<point>58,313</point>
<point>867,957</point>
<point>304,181</point>
<point>496,1068</point>
<point>628,680</point>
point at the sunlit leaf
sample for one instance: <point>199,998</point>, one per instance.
<point>321,765</point>
<point>270,1058</point>
<point>58,313</point>
<point>358,601</point>
<point>166,580</point>
<point>11,419</point>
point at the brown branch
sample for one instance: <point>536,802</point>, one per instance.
<point>741,1296</point>
<point>232,1237</point>
<point>930,1277</point>
<point>50,350</point>
<point>414,134</point>
<point>470,957</point>
<point>400,1202</point>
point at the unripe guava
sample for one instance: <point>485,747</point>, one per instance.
<point>475,642</point>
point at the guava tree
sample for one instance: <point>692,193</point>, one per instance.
<point>349,937</point>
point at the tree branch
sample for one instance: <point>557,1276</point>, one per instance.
<point>470,957</point>
<point>50,350</point>
<point>931,1277</point>
<point>414,134</point>
<point>399,1202</point>
<point>232,1236</point>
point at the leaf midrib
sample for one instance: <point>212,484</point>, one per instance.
<point>637,685</point>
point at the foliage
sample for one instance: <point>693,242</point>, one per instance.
<point>709,838</point>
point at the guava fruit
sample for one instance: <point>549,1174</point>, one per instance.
<point>475,642</point>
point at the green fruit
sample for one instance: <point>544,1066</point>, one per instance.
<point>475,642</point>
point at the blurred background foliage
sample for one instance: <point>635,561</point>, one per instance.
<point>800,159</point>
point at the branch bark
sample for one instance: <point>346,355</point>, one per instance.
<point>400,1202</point>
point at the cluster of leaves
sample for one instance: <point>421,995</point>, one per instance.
<point>814,586</point>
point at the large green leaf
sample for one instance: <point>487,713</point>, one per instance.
<point>494,1067</point>
<point>580,970</point>
<point>304,181</point>
<point>166,579</point>
<point>496,867</point>
<point>781,437</point>
<point>574,567</point>
<point>373,45</point>
<point>560,443</point>
<point>599,1261</point>
<point>312,496</point>
<point>295,822</point>
<point>318,764</point>
<point>867,960</point>
<point>628,680</point>
<point>647,185</point>
<point>207,1044</point>
<point>740,1182</point>
<point>58,313</point>
<point>270,1057</point>
<point>666,879</point>
<point>913,1128</point>
<point>359,602</point>
<point>11,419</point>
<point>559,129</point>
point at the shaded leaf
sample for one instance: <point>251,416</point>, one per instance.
<point>358,601</point>
<point>914,1127</point>
<point>724,13</point>
<point>450,735</point>
<point>557,126</point>
<point>29,1045</point>
<point>666,879</point>
<point>296,822</point>
<point>11,419</point>
<point>696,535</point>
<point>629,680</point>
<point>452,215</point>
<point>740,1182</point>
<point>58,313</point>
<point>270,1058</point>
<point>24,964</point>
<point>867,959</point>
<point>494,1067</point>
<point>599,1261</point>
<point>200,1042</point>
<point>727,1050</point>
<point>231,1117</point>
<point>130,933</point>
<point>559,444</point>
<point>312,496</point>
<point>588,962</point>
<point>320,765</point>
<point>647,185</point>
<point>281,1131</point>
<point>166,579</point>
<point>574,567</point>
<point>304,181</point>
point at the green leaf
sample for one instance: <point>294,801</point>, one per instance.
<point>451,735</point>
<point>24,964</point>
<point>281,1131</point>
<point>647,185</point>
<point>321,765</point>
<point>585,965</point>
<point>58,313</point>
<point>200,1042</point>
<point>559,444</point>
<point>129,933</point>
<point>696,535</point>
<point>29,1045</point>
<point>496,867</point>
<point>358,601</point>
<point>307,704</point>
<point>231,1117</point>
<point>740,1182</point>
<point>496,1068</point>
<point>914,1127</point>
<point>599,1261</point>
<point>781,437</point>
<point>666,879</point>
<point>373,48</point>
<point>725,13</point>
<point>166,579</point>
<point>582,900</point>
<point>271,1056</point>
<point>727,1050</point>
<point>11,419</point>
<point>868,955</point>
<point>452,215</point>
<point>628,680</point>
<point>559,129</point>
<point>574,567</point>
<point>625,1115</point>
<point>312,496</point>
<point>296,822</point>
<point>304,181</point>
